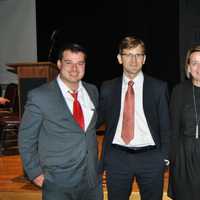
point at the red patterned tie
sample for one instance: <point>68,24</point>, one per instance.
<point>77,110</point>
<point>128,115</point>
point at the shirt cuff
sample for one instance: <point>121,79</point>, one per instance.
<point>167,162</point>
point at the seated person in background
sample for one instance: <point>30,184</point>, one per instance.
<point>4,100</point>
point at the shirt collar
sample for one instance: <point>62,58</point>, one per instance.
<point>138,79</point>
<point>65,87</point>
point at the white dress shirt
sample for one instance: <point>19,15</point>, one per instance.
<point>142,135</point>
<point>83,98</point>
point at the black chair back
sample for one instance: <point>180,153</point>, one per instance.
<point>11,93</point>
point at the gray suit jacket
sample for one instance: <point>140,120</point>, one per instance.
<point>52,143</point>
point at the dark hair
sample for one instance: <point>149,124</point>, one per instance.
<point>73,47</point>
<point>130,42</point>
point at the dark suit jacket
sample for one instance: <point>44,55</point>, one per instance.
<point>52,143</point>
<point>155,104</point>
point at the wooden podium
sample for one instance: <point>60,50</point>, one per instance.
<point>31,75</point>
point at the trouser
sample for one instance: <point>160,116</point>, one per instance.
<point>146,167</point>
<point>53,191</point>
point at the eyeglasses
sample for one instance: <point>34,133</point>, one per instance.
<point>194,63</point>
<point>136,56</point>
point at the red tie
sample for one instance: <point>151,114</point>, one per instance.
<point>128,115</point>
<point>77,111</point>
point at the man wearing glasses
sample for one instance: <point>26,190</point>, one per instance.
<point>134,108</point>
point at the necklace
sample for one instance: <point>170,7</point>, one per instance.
<point>196,114</point>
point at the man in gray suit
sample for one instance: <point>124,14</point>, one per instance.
<point>58,153</point>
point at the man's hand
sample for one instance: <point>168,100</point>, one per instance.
<point>39,180</point>
<point>4,100</point>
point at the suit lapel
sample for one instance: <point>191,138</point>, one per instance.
<point>147,98</point>
<point>90,93</point>
<point>60,101</point>
<point>94,101</point>
<point>63,107</point>
<point>146,94</point>
<point>148,101</point>
<point>116,104</point>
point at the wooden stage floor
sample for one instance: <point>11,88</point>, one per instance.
<point>13,186</point>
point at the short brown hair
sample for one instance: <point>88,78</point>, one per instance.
<point>130,42</point>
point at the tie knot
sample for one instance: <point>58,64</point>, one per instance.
<point>74,95</point>
<point>130,83</point>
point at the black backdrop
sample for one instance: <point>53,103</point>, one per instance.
<point>100,25</point>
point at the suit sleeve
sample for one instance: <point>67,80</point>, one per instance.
<point>175,110</point>
<point>28,138</point>
<point>102,106</point>
<point>164,120</point>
